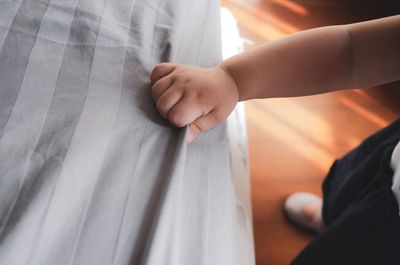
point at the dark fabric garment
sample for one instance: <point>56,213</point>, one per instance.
<point>360,211</point>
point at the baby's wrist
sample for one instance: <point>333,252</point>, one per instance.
<point>243,95</point>
<point>230,77</point>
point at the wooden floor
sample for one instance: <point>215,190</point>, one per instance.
<point>292,142</point>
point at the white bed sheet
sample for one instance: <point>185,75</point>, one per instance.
<point>89,172</point>
<point>232,44</point>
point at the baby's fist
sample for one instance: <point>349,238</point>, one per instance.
<point>199,97</point>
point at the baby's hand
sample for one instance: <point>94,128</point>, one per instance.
<point>199,97</point>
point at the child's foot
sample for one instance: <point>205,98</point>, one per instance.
<point>305,209</point>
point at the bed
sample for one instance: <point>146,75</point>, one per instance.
<point>89,171</point>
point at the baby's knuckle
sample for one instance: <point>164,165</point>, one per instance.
<point>157,68</point>
<point>156,71</point>
<point>177,118</point>
<point>218,117</point>
<point>161,106</point>
<point>178,79</point>
<point>155,88</point>
<point>182,79</point>
<point>182,88</point>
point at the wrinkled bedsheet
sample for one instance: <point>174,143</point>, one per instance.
<point>89,172</point>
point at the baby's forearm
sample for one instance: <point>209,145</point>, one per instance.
<point>320,60</point>
<point>305,63</point>
<point>310,62</point>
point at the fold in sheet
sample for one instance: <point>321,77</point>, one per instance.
<point>89,171</point>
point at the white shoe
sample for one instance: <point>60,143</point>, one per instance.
<point>294,208</point>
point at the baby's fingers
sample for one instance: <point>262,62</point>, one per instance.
<point>185,112</point>
<point>161,86</point>
<point>161,70</point>
<point>203,124</point>
<point>168,100</point>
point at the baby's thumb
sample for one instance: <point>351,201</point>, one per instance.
<point>202,124</point>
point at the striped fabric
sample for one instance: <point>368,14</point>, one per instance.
<point>89,172</point>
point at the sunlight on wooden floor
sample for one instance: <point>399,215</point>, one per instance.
<point>293,141</point>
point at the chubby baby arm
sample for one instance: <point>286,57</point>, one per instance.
<point>188,95</point>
